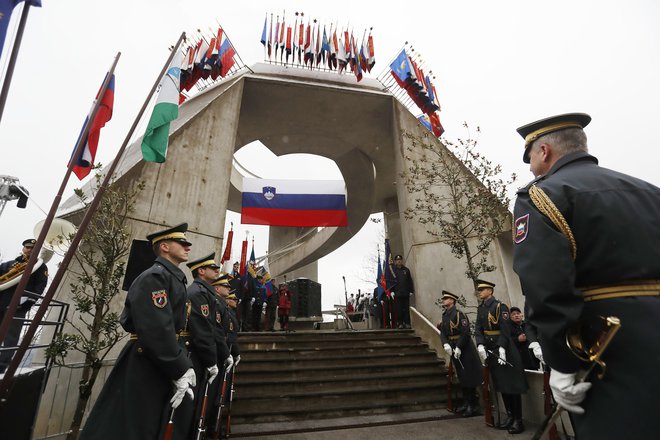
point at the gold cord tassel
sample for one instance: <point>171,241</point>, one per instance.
<point>550,210</point>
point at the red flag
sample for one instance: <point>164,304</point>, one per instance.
<point>227,255</point>
<point>243,258</point>
<point>435,124</point>
<point>85,160</point>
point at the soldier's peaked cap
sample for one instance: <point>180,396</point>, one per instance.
<point>29,242</point>
<point>535,130</point>
<point>177,233</point>
<point>222,280</point>
<point>207,261</point>
<point>446,294</point>
<point>481,284</point>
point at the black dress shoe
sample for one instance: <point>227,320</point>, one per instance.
<point>516,427</point>
<point>461,409</point>
<point>506,424</point>
<point>471,411</point>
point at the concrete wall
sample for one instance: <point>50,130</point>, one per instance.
<point>433,266</point>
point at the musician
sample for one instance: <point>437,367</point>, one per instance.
<point>36,284</point>
<point>455,335</point>
<point>586,245</point>
<point>496,349</point>
<point>153,373</point>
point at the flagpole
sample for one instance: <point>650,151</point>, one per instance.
<point>91,210</point>
<point>13,57</point>
<point>13,305</point>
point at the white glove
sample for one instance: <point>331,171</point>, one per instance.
<point>567,393</point>
<point>252,300</point>
<point>213,372</point>
<point>183,386</point>
<point>457,353</point>
<point>502,359</point>
<point>482,353</point>
<point>229,362</point>
<point>237,360</point>
<point>448,349</point>
<point>263,306</point>
<point>536,349</point>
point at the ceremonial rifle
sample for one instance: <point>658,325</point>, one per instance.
<point>201,425</point>
<point>450,374</point>
<point>218,422</point>
<point>488,410</point>
<point>231,398</point>
<point>169,428</point>
<point>547,401</point>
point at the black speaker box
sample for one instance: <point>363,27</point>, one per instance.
<point>305,298</point>
<point>140,259</point>
<point>19,411</point>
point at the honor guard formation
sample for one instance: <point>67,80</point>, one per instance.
<point>586,250</point>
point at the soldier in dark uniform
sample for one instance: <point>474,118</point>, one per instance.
<point>272,301</point>
<point>221,287</point>
<point>201,325</point>
<point>259,303</point>
<point>586,245</point>
<point>455,335</point>
<point>494,345</point>
<point>36,284</point>
<point>403,288</point>
<point>236,282</point>
<point>153,373</point>
<point>231,327</point>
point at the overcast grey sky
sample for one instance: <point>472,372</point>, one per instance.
<point>497,65</point>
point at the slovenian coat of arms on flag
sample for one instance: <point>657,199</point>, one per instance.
<point>269,192</point>
<point>298,203</point>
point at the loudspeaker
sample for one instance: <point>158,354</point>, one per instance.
<point>140,259</point>
<point>305,297</point>
<point>19,412</point>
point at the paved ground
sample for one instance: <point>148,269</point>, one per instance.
<point>445,427</point>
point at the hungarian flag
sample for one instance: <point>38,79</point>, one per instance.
<point>85,160</point>
<point>166,110</point>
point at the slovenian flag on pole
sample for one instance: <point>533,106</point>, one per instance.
<point>85,161</point>
<point>166,110</point>
<point>298,203</point>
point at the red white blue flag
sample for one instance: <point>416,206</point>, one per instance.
<point>298,203</point>
<point>85,160</point>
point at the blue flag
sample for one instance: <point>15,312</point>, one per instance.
<point>6,8</point>
<point>401,67</point>
<point>263,33</point>
<point>379,281</point>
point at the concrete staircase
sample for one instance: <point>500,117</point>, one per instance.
<point>315,380</point>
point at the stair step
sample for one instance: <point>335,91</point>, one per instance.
<point>328,412</point>
<point>292,352</point>
<point>366,372</point>
<point>339,363</point>
<point>322,386</point>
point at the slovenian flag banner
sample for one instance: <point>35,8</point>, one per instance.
<point>298,203</point>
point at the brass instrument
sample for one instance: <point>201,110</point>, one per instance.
<point>57,239</point>
<point>15,272</point>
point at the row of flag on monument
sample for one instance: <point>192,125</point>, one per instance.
<point>203,59</point>
<point>211,57</point>
<point>419,86</point>
<point>315,45</point>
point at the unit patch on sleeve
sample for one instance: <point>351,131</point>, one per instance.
<point>159,297</point>
<point>464,322</point>
<point>205,309</point>
<point>521,226</point>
